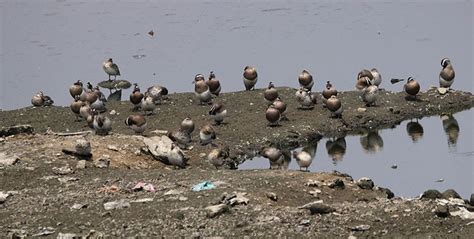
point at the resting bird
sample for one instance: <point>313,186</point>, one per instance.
<point>270,94</point>
<point>412,87</point>
<point>218,113</point>
<point>446,76</point>
<point>250,77</point>
<point>214,84</point>
<point>306,80</point>
<point>136,97</point>
<point>137,123</point>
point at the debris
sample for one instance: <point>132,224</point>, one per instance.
<point>305,222</point>
<point>360,228</point>
<point>3,197</point>
<point>116,205</point>
<point>442,90</point>
<point>394,166</point>
<point>8,161</point>
<point>313,183</point>
<point>216,210</point>
<point>272,196</point>
<point>78,206</point>
<point>315,192</point>
<point>206,185</point>
<point>361,110</point>
<point>44,232</point>
<point>173,192</point>
<point>63,170</point>
<point>68,236</point>
<point>144,186</point>
<point>17,129</point>
<point>81,164</point>
<point>337,184</point>
<point>112,147</point>
<point>103,162</point>
<point>67,179</point>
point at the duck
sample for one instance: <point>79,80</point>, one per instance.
<point>136,97</point>
<point>335,106</point>
<point>85,110</point>
<point>446,76</point>
<point>206,134</point>
<point>415,130</point>
<point>364,79</point>
<point>273,116</point>
<point>303,159</point>
<point>377,77</point>
<point>411,87</point>
<point>218,157</point>
<point>180,137</point>
<point>99,103</point>
<point>370,95</point>
<point>76,89</point>
<point>274,155</point>
<point>250,77</point>
<point>40,100</point>
<point>201,89</point>
<point>218,113</point>
<point>102,124</point>
<point>187,125</point>
<point>176,156</point>
<point>111,68</point>
<point>213,84</point>
<point>306,99</point>
<point>329,91</point>
<point>76,107</point>
<point>137,123</point>
<point>270,94</point>
<point>306,80</point>
<point>280,106</point>
<point>157,93</point>
<point>148,104</point>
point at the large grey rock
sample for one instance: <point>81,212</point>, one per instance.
<point>6,160</point>
<point>388,192</point>
<point>450,193</point>
<point>337,184</point>
<point>216,210</point>
<point>163,149</point>
<point>320,208</point>
<point>431,194</point>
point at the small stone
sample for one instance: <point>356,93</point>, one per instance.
<point>315,192</point>
<point>442,211</point>
<point>78,206</point>
<point>387,191</point>
<point>112,147</point>
<point>360,228</point>
<point>442,90</point>
<point>305,222</point>
<point>360,110</point>
<point>365,183</point>
<point>2,140</point>
<point>68,236</point>
<point>320,208</point>
<point>450,193</point>
<point>113,112</point>
<point>67,179</point>
<point>3,197</point>
<point>216,210</point>
<point>313,183</point>
<point>337,184</point>
<point>63,170</point>
<point>83,147</point>
<point>238,199</point>
<point>431,194</point>
<point>272,196</point>
<point>8,160</point>
<point>81,164</point>
<point>471,202</point>
<point>116,205</point>
<point>142,200</point>
<point>103,162</point>
<point>181,198</point>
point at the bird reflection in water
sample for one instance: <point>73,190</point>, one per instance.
<point>371,142</point>
<point>415,130</point>
<point>451,128</point>
<point>336,148</point>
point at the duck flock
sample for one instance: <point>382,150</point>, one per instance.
<point>90,103</point>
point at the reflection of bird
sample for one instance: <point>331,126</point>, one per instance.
<point>137,123</point>
<point>303,159</point>
<point>372,142</point>
<point>329,91</point>
<point>306,80</point>
<point>311,148</point>
<point>250,77</point>
<point>286,159</point>
<point>218,113</point>
<point>270,94</point>
<point>274,155</point>
<point>111,68</point>
<point>412,87</point>
<point>446,76</point>
<point>273,116</point>
<point>451,128</point>
<point>335,106</point>
<point>201,89</point>
<point>76,89</point>
<point>214,84</point>
<point>336,148</point>
<point>415,130</point>
<point>136,96</point>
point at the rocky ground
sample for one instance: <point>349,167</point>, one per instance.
<point>45,192</point>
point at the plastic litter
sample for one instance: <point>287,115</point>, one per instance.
<point>206,185</point>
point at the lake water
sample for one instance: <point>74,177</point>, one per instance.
<point>48,45</point>
<point>436,149</point>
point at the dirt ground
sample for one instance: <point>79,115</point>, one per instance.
<point>51,193</point>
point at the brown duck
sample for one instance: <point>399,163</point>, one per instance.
<point>136,96</point>
<point>250,77</point>
<point>335,106</point>
<point>218,113</point>
<point>306,80</point>
<point>206,134</point>
<point>270,94</point>
<point>412,87</point>
<point>137,123</point>
<point>446,76</point>
<point>214,84</point>
<point>201,89</point>
<point>364,79</point>
<point>329,91</point>
<point>76,89</point>
<point>273,116</point>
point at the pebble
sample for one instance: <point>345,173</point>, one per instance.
<point>181,198</point>
<point>216,210</point>
<point>3,197</point>
<point>116,205</point>
<point>173,192</point>
<point>313,183</point>
<point>63,170</point>
<point>365,183</point>
<point>2,140</point>
<point>442,90</point>
<point>83,147</point>
<point>8,160</point>
<point>315,192</point>
<point>113,112</point>
<point>142,200</point>
<point>112,147</point>
<point>305,222</point>
<point>360,228</point>
<point>360,110</point>
<point>78,206</point>
<point>68,236</point>
<point>103,162</point>
<point>81,164</point>
<point>272,196</point>
<point>442,211</point>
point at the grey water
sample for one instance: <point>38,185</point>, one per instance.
<point>429,153</point>
<point>47,45</point>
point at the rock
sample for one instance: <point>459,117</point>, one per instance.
<point>315,192</point>
<point>8,160</point>
<point>142,200</point>
<point>450,193</point>
<point>442,211</point>
<point>320,208</point>
<point>463,213</point>
<point>361,110</point>
<point>216,210</point>
<point>78,206</point>
<point>68,236</point>
<point>442,90</point>
<point>337,184</point>
<point>162,148</point>
<point>272,196</point>
<point>113,112</point>
<point>267,219</point>
<point>365,183</point>
<point>17,234</point>
<point>44,232</point>
<point>3,197</point>
<point>431,194</point>
<point>471,202</point>
<point>103,162</point>
<point>234,199</point>
<point>305,222</point>
<point>388,192</point>
<point>116,205</point>
<point>81,164</point>
<point>83,147</point>
<point>360,228</point>
<point>144,186</point>
<point>112,147</point>
<point>173,192</point>
<point>67,179</point>
<point>63,170</point>
<point>17,129</point>
<point>2,140</point>
<point>313,183</point>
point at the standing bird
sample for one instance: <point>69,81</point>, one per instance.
<point>306,80</point>
<point>206,134</point>
<point>76,107</point>
<point>156,92</point>
<point>136,97</point>
<point>187,125</point>
<point>137,123</point>
<point>111,68</point>
<point>218,113</point>
<point>370,94</point>
<point>214,84</point>
<point>329,91</point>
<point>148,104</point>
<point>102,125</point>
<point>280,106</point>
<point>377,77</point>
<point>218,156</point>
<point>364,79</point>
<point>412,87</point>
<point>270,94</point>
<point>76,89</point>
<point>306,99</point>
<point>303,159</point>
<point>201,89</point>
<point>273,116</point>
<point>274,155</point>
<point>446,76</point>
<point>335,106</point>
<point>99,103</point>
<point>250,77</point>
